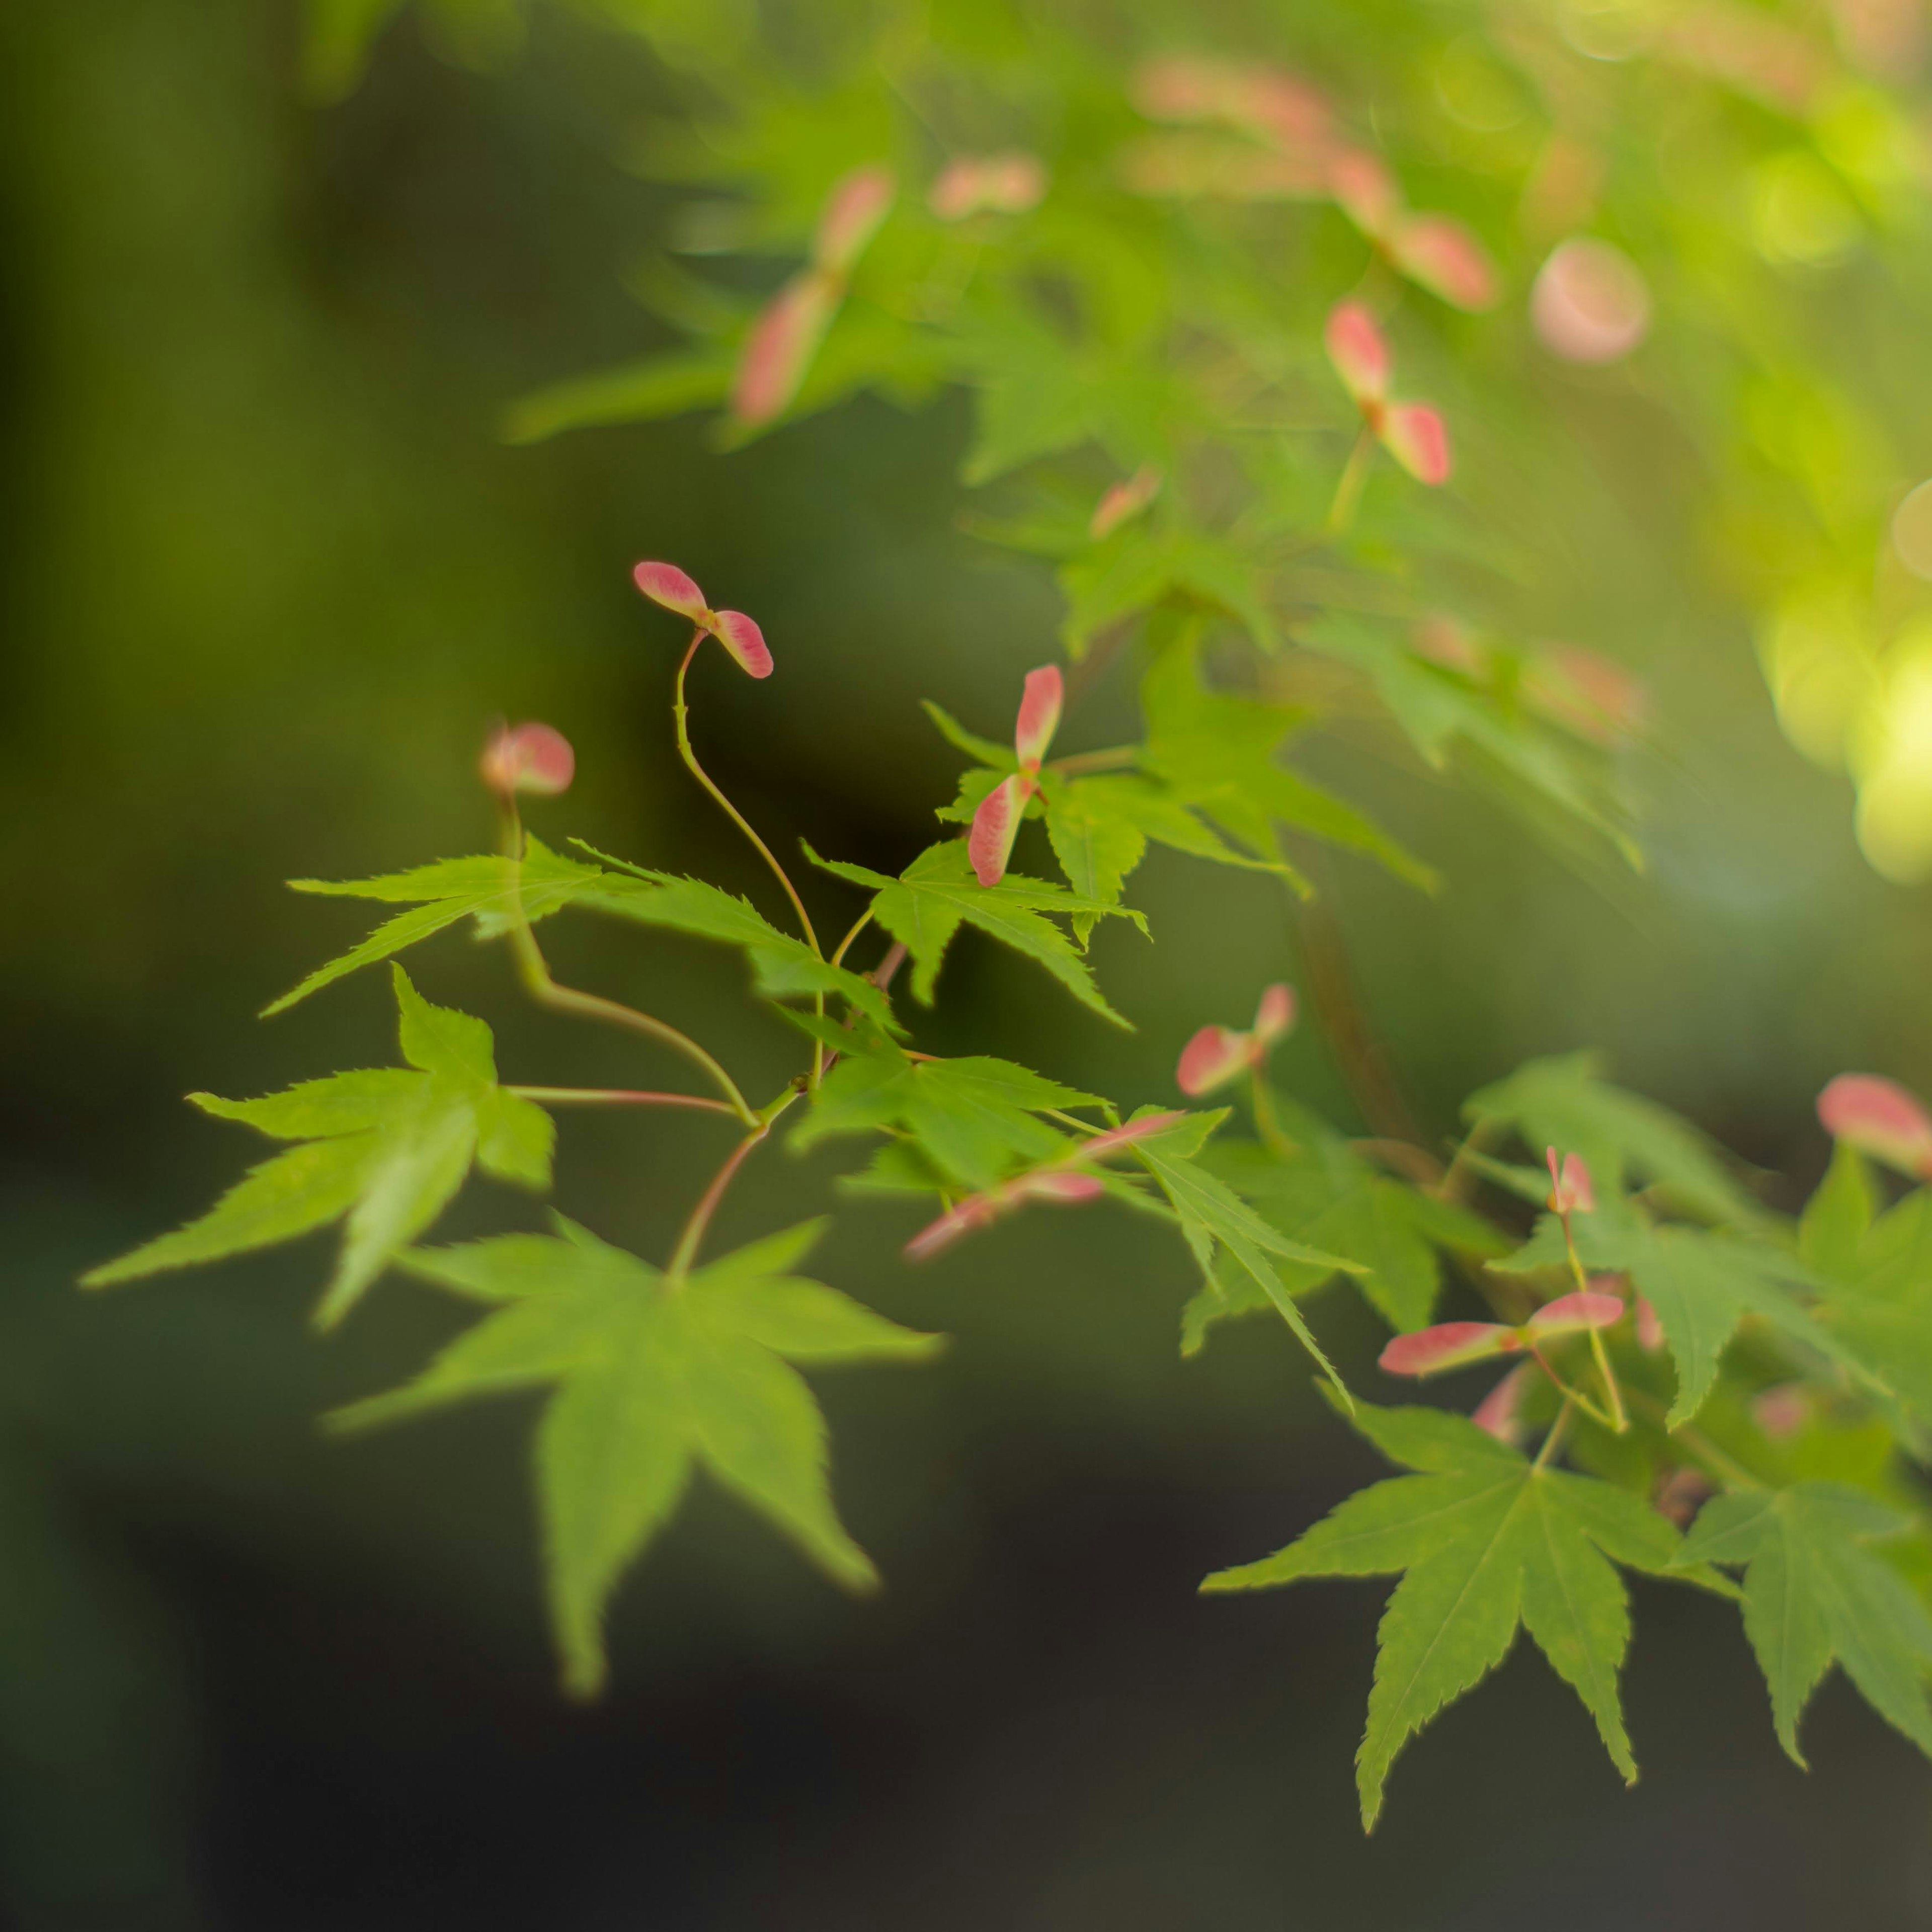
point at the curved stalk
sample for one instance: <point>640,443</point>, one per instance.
<point>534,970</point>
<point>680,711</point>
<point>688,1241</point>
<point>617,1096</point>
<point>1348,489</point>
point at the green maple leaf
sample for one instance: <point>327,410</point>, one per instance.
<point>1099,827</point>
<point>1814,1591</point>
<point>1323,1194</point>
<point>1702,1286</point>
<point>1146,564</point>
<point>646,391</point>
<point>924,907</point>
<point>1875,1270</point>
<point>1439,709</point>
<point>1218,753</point>
<point>782,966</point>
<point>485,889</point>
<point>974,1120</point>
<point>1564,1102</point>
<point>1215,1222</point>
<point>386,1148</point>
<point>653,1374</point>
<point>1485,1541</point>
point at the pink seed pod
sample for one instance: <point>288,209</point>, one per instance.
<point>1500,1412</point>
<point>1570,1192</point>
<point>1124,501</point>
<point>1878,1117</point>
<point>854,211</point>
<point>1574,1314</point>
<point>1181,87</point>
<point>1449,1345</point>
<point>664,584</point>
<point>1003,183</point>
<point>532,757</point>
<point>975,1211</point>
<point>1439,254</point>
<point>1267,102</point>
<point>1414,435</point>
<point>1221,167</point>
<point>1681,1495</point>
<point>1588,694</point>
<point>1213,1056</point>
<point>1782,1412</point>
<point>1060,1184</point>
<point>1365,191</point>
<point>978,1210</point>
<point>745,642</point>
<point>1649,1327</point>
<point>1359,352</point>
<point>1447,641</point>
<point>1282,109</point>
<point>1040,701</point>
<point>779,349</point>
<point>1274,1017</point>
<point>1589,303</point>
<point>996,824</point>
<point>1102,1145</point>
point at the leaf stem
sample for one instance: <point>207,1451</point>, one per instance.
<point>1553,1436</point>
<point>679,712</point>
<point>1266,1125</point>
<point>707,1204</point>
<point>858,926</point>
<point>1620,1422</point>
<point>1349,489</point>
<point>1573,1396</point>
<point>1726,1468</point>
<point>617,1096</point>
<point>1115,758</point>
<point>534,971</point>
<point>1405,1157</point>
<point>1450,1187</point>
<point>1331,988</point>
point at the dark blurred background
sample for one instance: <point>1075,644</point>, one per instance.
<point>267,573</point>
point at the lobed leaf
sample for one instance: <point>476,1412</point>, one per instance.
<point>652,1376</point>
<point>390,1148</point>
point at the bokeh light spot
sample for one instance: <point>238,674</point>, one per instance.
<point>1591,303</point>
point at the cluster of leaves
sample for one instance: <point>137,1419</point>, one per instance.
<point>1673,1341</point>
<point>1180,291</point>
